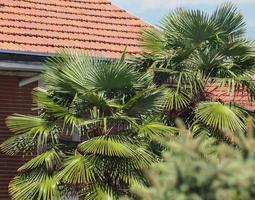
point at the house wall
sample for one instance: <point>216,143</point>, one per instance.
<point>13,99</point>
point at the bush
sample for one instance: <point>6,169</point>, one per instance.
<point>200,169</point>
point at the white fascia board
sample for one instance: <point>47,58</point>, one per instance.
<point>29,80</point>
<point>25,67</point>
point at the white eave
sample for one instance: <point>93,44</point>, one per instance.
<point>21,66</point>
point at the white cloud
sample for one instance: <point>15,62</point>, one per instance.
<point>156,4</point>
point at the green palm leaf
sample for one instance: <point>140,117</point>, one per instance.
<point>40,129</point>
<point>193,25</point>
<point>153,40</point>
<point>49,160</point>
<point>147,101</point>
<point>77,169</point>
<point>22,143</point>
<point>91,99</point>
<point>230,20</point>
<point>35,185</point>
<point>219,116</point>
<point>91,73</point>
<point>177,100</point>
<point>153,129</point>
<point>57,110</point>
<point>99,192</point>
<point>119,146</point>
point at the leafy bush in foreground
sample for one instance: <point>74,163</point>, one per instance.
<point>199,169</point>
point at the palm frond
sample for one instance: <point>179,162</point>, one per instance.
<point>91,73</point>
<point>67,115</point>
<point>99,192</point>
<point>19,144</point>
<point>153,129</point>
<point>40,129</point>
<point>177,100</point>
<point>125,171</point>
<point>186,78</point>
<point>219,116</point>
<point>193,25</point>
<point>117,146</point>
<point>77,169</point>
<point>35,185</point>
<point>152,40</point>
<point>240,47</point>
<point>91,99</point>
<point>230,20</point>
<point>50,160</point>
<point>146,101</point>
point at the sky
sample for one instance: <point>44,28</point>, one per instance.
<point>153,10</point>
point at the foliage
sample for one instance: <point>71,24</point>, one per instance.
<point>192,51</point>
<point>198,169</point>
<point>97,120</point>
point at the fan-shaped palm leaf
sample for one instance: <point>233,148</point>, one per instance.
<point>60,111</point>
<point>22,143</point>
<point>99,192</point>
<point>193,25</point>
<point>177,100</point>
<point>34,126</point>
<point>147,101</point>
<point>219,116</point>
<point>91,99</point>
<point>124,173</point>
<point>116,145</point>
<point>35,185</point>
<point>77,169</point>
<point>153,129</point>
<point>91,73</point>
<point>49,160</point>
<point>230,20</point>
<point>153,40</point>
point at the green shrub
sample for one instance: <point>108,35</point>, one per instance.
<point>200,169</point>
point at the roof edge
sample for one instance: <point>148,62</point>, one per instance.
<point>7,51</point>
<point>25,67</point>
<point>27,61</point>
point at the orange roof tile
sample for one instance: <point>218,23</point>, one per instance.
<point>240,97</point>
<point>45,26</point>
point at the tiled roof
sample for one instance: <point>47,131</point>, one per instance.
<point>222,94</point>
<point>44,26</point>
<point>47,25</point>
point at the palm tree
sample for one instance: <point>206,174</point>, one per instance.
<point>93,134</point>
<point>192,50</point>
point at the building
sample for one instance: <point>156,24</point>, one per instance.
<point>31,30</point>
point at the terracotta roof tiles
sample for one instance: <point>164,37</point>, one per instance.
<point>241,97</point>
<point>45,26</point>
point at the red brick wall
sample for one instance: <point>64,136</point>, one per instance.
<point>13,99</point>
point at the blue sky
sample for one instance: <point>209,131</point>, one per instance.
<point>153,10</point>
